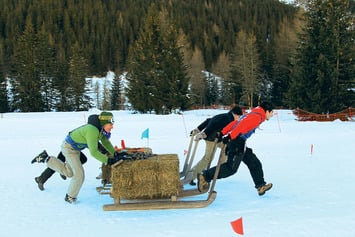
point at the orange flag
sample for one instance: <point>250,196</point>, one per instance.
<point>237,226</point>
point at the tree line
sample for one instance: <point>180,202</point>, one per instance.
<point>176,53</point>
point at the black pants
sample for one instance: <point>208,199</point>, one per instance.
<point>237,152</point>
<point>47,173</point>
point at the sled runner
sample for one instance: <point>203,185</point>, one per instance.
<point>180,200</point>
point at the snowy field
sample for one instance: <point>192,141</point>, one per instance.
<point>311,165</point>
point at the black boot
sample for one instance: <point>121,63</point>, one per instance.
<point>69,199</point>
<point>41,158</point>
<point>39,183</point>
<point>46,174</point>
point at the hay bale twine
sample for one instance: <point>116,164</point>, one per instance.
<point>152,178</point>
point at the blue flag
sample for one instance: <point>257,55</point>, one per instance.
<point>145,133</point>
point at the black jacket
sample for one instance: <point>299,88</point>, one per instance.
<point>215,124</point>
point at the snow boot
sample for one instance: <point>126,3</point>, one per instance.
<point>41,158</point>
<point>69,199</point>
<point>39,183</point>
<point>264,188</point>
<point>63,176</point>
<point>202,184</point>
<point>40,180</point>
<point>192,183</point>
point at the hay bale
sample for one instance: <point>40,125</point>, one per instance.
<point>106,173</point>
<point>152,178</point>
<point>106,169</point>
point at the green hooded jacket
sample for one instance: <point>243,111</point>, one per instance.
<point>88,136</point>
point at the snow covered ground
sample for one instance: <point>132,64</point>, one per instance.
<point>313,193</point>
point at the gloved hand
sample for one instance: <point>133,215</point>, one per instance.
<point>200,136</point>
<point>121,155</point>
<point>118,157</point>
<point>194,132</point>
<point>226,139</point>
<point>219,136</point>
<point>112,161</point>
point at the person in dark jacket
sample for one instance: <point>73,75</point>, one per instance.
<point>235,135</point>
<point>208,130</point>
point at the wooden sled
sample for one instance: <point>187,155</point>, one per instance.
<point>175,202</point>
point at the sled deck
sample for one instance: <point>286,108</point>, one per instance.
<point>172,203</point>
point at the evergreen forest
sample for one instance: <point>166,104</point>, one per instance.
<point>177,54</point>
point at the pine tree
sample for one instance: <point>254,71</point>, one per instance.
<point>4,102</point>
<point>26,73</point>
<point>106,95</point>
<point>156,73</point>
<point>77,91</point>
<point>323,67</point>
<point>117,92</point>
<point>45,62</point>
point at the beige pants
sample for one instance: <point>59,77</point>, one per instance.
<point>72,167</point>
<point>207,158</point>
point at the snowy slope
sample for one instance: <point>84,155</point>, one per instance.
<point>313,193</point>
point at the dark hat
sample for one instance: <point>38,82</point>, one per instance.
<point>105,117</point>
<point>267,106</point>
<point>236,110</point>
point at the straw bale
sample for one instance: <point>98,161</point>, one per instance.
<point>106,172</point>
<point>106,169</point>
<point>152,178</point>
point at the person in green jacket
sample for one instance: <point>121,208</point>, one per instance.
<point>98,129</point>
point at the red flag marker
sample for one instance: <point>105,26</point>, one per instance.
<point>123,145</point>
<point>237,226</point>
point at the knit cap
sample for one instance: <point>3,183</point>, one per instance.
<point>105,117</point>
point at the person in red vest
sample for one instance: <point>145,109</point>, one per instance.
<point>235,135</point>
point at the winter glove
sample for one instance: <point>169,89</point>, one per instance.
<point>118,157</point>
<point>112,161</point>
<point>226,139</point>
<point>219,136</point>
<point>121,155</point>
<point>200,136</point>
<point>194,132</point>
